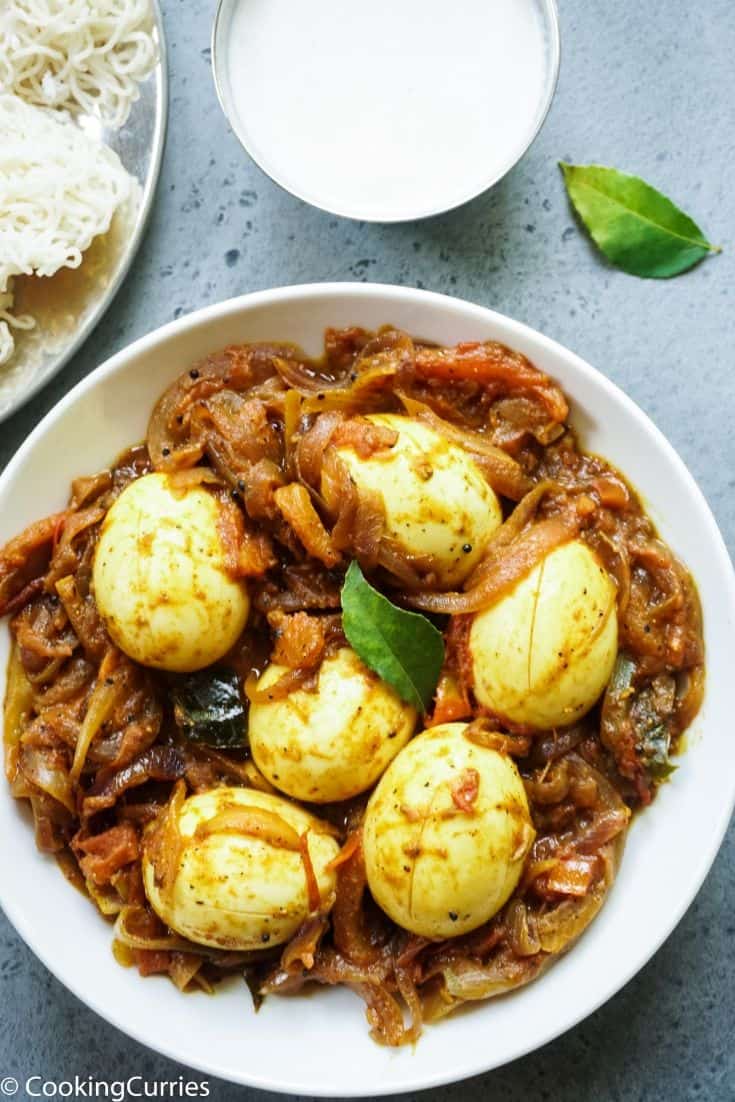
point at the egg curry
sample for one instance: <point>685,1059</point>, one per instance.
<point>354,672</point>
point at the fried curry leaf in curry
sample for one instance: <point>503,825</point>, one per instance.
<point>209,708</point>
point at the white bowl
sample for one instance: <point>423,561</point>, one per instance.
<point>319,1044</point>
<point>386,112</point>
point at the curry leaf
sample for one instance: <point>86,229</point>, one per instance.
<point>653,746</point>
<point>209,708</point>
<point>637,228</point>
<point>404,648</point>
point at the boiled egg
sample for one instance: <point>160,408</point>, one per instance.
<point>240,879</point>
<point>437,503</point>
<point>331,743</point>
<point>542,655</point>
<point>446,833</point>
<point>159,577</point>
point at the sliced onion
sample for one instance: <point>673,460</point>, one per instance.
<point>162,845</point>
<point>571,876</point>
<point>469,980</point>
<point>292,403</point>
<point>23,557</point>
<point>367,393</point>
<point>359,517</point>
<point>559,927</point>
<point>312,447</point>
<point>101,705</point>
<point>84,618</point>
<point>520,559</point>
<point>107,902</point>
<point>288,683</point>
<point>482,732</point>
<point>504,474</point>
<point>352,934</point>
<point>126,935</point>
<point>616,560</point>
<point>156,763</point>
<point>183,970</point>
<point>188,479</point>
<point>17,710</point>
<point>302,948</point>
<point>45,770</point>
<point>253,822</point>
<point>303,377</point>
<point>492,363</point>
<point>294,503</point>
<point>522,935</point>
<point>313,894</point>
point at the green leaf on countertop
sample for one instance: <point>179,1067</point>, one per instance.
<point>637,228</point>
<point>404,648</point>
<point>209,707</point>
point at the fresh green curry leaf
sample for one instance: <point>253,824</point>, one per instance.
<point>637,228</point>
<point>403,648</point>
<point>209,708</point>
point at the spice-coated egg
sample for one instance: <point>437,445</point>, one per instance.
<point>437,502</point>
<point>446,833</point>
<point>241,880</point>
<point>159,577</point>
<point>331,743</point>
<point>542,655</point>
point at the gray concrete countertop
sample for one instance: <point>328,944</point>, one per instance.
<point>648,88</point>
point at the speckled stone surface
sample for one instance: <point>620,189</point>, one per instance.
<point>649,88</point>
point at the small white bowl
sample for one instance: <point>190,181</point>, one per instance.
<point>386,112</point>
<point>319,1045</point>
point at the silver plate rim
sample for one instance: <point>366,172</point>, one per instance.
<point>160,75</point>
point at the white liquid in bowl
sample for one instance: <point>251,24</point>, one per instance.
<point>385,109</point>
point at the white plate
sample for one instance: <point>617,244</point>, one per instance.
<point>319,1044</point>
<point>69,306</point>
<point>386,111</point>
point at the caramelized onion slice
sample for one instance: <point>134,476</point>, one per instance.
<point>491,362</point>
<point>294,503</point>
<point>133,919</point>
<point>469,980</point>
<point>351,930</point>
<point>301,950</point>
<point>531,547</point>
<point>558,928</point>
<point>16,712</point>
<point>101,705</point>
<point>254,822</point>
<point>162,843</point>
<point>504,473</point>
<point>45,770</point>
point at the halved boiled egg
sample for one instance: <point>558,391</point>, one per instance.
<point>241,878</point>
<point>543,654</point>
<point>333,742</point>
<point>159,577</point>
<point>446,833</point>
<point>437,503</point>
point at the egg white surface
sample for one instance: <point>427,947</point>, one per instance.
<point>436,869</point>
<point>332,743</point>
<point>239,891</point>
<point>159,577</point>
<point>543,654</point>
<point>437,503</point>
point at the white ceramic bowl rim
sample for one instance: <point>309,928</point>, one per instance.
<point>577,988</point>
<point>549,14</point>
